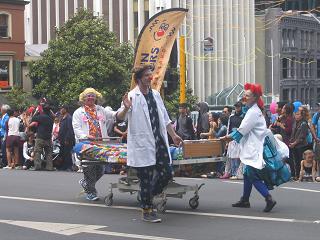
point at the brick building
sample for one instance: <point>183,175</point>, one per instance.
<point>12,42</point>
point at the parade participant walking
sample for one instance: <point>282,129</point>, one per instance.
<point>89,122</point>
<point>148,148</point>
<point>251,136</point>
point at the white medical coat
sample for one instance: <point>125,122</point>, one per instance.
<point>141,142</point>
<point>81,126</point>
<point>254,130</point>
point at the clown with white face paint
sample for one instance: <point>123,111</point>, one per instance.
<point>254,140</point>
<point>90,122</point>
<point>148,147</point>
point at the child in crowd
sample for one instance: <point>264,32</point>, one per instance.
<point>28,152</point>
<point>308,166</point>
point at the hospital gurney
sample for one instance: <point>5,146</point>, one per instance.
<point>130,183</point>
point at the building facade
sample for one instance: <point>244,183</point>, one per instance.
<point>291,61</point>
<point>124,17</point>
<point>12,42</point>
<point>229,23</point>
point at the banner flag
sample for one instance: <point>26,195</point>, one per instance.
<point>155,41</point>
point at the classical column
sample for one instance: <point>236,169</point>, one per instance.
<point>130,22</point>
<point>48,21</point>
<point>121,20</point>
<point>39,23</point>
<point>110,15</point>
<point>140,15</point>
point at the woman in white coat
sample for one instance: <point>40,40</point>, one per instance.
<point>148,147</point>
<point>251,136</point>
<point>90,122</point>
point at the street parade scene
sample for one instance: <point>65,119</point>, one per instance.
<point>159,119</point>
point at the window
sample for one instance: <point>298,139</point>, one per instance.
<point>4,25</point>
<point>4,74</point>
<point>303,68</point>
<point>294,33</point>
<point>302,39</point>
<point>318,94</point>
<point>318,68</point>
<point>302,94</point>
<point>285,94</point>
<point>285,68</point>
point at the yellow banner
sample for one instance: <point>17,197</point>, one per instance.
<point>155,43</point>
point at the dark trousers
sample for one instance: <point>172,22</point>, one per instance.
<point>91,176</point>
<point>297,157</point>
<point>153,179</point>
<point>43,146</point>
<point>4,161</point>
<point>66,156</point>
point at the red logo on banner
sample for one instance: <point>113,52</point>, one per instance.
<point>161,31</point>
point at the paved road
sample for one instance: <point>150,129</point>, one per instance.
<point>47,205</point>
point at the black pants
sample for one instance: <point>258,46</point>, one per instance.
<point>4,153</point>
<point>297,157</point>
<point>66,156</point>
<point>91,176</point>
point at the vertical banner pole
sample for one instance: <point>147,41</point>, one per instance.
<point>182,56</point>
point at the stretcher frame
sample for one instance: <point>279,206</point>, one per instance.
<point>172,190</point>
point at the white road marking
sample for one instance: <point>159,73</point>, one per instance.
<point>248,217</point>
<point>289,188</point>
<point>72,229</point>
<point>301,189</point>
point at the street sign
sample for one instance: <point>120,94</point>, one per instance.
<point>208,44</point>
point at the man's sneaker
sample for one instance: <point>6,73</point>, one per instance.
<point>92,197</point>
<point>150,216</point>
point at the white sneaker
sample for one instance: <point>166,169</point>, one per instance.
<point>24,167</point>
<point>7,167</point>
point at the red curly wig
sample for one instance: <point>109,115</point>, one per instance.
<point>256,89</point>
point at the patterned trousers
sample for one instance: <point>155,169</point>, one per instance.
<point>91,176</point>
<point>153,179</point>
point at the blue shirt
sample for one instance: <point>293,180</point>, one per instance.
<point>3,125</point>
<point>316,123</point>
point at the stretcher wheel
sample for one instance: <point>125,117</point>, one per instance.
<point>108,200</point>
<point>194,202</point>
<point>161,206</point>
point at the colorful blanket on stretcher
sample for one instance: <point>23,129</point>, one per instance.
<point>107,152</point>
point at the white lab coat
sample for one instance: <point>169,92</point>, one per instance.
<point>254,130</point>
<point>141,142</point>
<point>81,126</point>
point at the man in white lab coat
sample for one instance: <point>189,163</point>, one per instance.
<point>148,147</point>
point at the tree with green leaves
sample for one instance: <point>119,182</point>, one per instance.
<point>19,99</point>
<point>84,54</point>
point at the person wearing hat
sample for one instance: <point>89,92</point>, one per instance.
<point>184,125</point>
<point>66,137</point>
<point>148,145</point>
<point>90,122</point>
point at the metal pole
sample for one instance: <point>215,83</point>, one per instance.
<point>272,71</point>
<point>182,57</point>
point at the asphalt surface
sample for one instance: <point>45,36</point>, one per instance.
<point>53,197</point>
